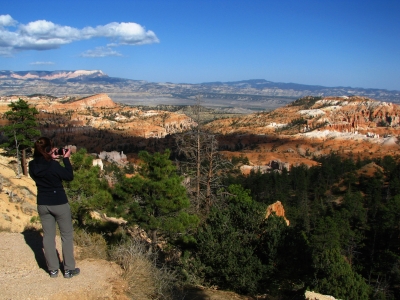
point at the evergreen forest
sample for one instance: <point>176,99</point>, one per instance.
<point>343,238</point>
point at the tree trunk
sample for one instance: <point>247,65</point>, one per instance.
<point>23,163</point>
<point>18,161</point>
<point>154,240</point>
<point>198,171</point>
<point>198,153</point>
<point>210,175</point>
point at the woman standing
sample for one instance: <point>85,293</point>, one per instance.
<point>52,204</point>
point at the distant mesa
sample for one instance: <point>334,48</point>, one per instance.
<point>254,94</point>
<point>95,101</point>
<point>50,75</point>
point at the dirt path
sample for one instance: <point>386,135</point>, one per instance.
<point>23,273</point>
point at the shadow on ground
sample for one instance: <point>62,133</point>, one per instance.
<point>34,240</point>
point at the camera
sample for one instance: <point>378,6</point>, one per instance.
<point>61,151</point>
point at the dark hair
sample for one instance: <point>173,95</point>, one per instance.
<point>43,147</point>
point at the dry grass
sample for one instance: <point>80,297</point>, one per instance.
<point>146,279</point>
<point>90,245</point>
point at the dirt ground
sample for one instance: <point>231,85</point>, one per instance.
<point>24,275</point>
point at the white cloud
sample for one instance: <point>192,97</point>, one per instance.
<point>100,52</point>
<point>124,33</point>
<point>45,35</point>
<point>42,63</point>
<point>7,20</point>
<point>43,29</point>
<point>112,45</point>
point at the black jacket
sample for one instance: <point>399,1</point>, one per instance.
<point>48,176</point>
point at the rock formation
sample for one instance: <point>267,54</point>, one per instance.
<point>311,295</point>
<point>98,162</point>
<point>97,123</point>
<point>343,114</point>
<point>278,210</point>
<point>113,156</point>
<point>312,127</point>
<point>87,103</point>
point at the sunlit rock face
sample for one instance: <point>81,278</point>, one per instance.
<point>80,115</point>
<point>343,114</point>
<point>278,210</point>
<point>312,127</point>
<point>97,123</point>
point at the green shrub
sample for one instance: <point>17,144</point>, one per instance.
<point>225,255</point>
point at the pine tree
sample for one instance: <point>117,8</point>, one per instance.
<point>336,278</point>
<point>87,191</point>
<point>156,200</point>
<point>21,132</point>
<point>225,253</point>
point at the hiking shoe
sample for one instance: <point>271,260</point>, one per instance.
<point>53,273</point>
<point>71,273</point>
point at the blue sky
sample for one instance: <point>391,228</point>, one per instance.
<point>321,42</point>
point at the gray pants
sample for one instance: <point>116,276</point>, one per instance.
<point>60,214</point>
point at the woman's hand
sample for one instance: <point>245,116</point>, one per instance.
<point>67,153</point>
<point>54,154</point>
